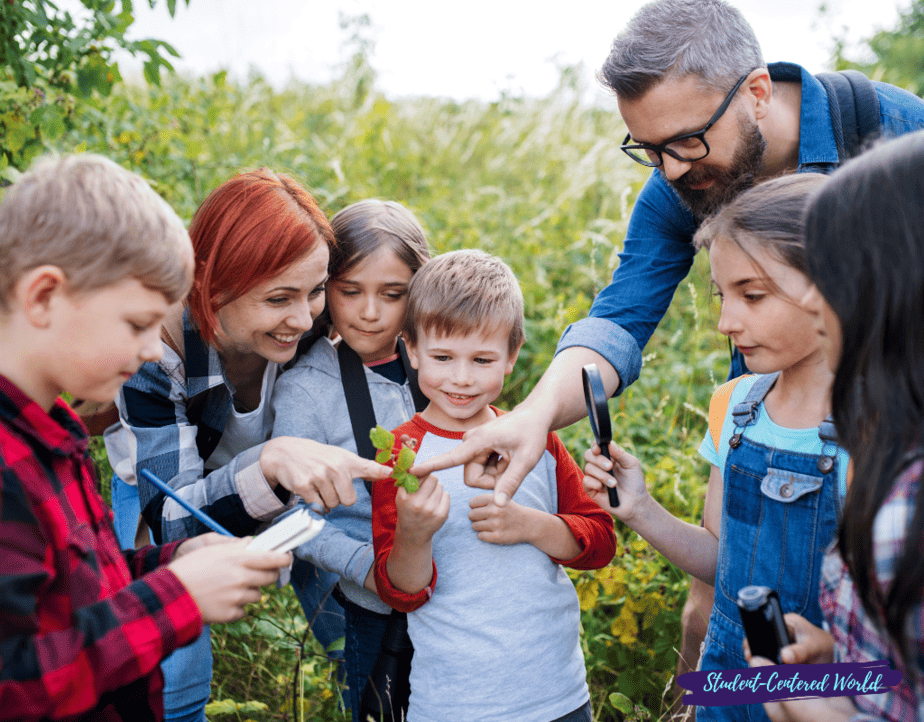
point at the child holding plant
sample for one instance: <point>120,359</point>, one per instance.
<point>93,260</point>
<point>379,246</point>
<point>777,473</point>
<point>492,614</point>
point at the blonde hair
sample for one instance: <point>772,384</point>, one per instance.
<point>97,222</point>
<point>465,291</point>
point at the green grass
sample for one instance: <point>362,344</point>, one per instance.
<point>542,184</point>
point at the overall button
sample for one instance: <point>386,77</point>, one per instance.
<point>825,464</point>
<point>735,441</point>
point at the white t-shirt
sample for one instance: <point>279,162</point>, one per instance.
<point>245,430</point>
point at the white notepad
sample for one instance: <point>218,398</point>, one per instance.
<point>294,530</point>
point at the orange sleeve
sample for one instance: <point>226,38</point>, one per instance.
<point>591,526</point>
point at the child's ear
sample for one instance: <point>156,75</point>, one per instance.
<point>37,290</point>
<point>512,360</point>
<point>812,303</point>
<point>412,354</point>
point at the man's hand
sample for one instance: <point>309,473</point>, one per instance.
<point>497,455</point>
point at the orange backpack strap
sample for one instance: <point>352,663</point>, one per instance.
<point>718,409</point>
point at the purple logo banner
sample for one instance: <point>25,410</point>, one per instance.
<point>787,681</point>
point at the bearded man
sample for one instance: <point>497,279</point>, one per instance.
<point>703,109</point>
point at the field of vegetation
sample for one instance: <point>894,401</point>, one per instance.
<point>542,184</point>
<point>539,182</point>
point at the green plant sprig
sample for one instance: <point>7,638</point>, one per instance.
<point>384,441</point>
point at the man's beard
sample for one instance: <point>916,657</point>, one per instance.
<point>742,174</point>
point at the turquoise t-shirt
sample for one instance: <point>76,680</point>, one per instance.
<point>765,431</point>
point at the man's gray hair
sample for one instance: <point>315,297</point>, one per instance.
<point>671,39</point>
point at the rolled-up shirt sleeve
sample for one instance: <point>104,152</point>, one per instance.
<point>657,255</point>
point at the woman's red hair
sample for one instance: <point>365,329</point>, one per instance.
<point>249,229</point>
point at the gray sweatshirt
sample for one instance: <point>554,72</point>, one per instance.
<point>309,403</point>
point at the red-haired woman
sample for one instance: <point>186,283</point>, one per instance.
<point>200,418</point>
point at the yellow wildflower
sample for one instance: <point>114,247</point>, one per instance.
<point>587,590</point>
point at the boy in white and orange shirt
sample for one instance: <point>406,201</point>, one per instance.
<point>492,614</point>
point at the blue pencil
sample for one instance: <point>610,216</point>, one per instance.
<point>200,515</point>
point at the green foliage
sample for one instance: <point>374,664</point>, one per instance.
<point>54,65</point>
<point>384,441</point>
<point>268,665</point>
<point>540,183</point>
<point>229,706</point>
<point>897,53</point>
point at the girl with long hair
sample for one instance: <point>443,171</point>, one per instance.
<point>865,244</point>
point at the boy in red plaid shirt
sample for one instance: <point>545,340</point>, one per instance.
<point>92,261</point>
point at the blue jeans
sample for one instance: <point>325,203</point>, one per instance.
<point>188,671</point>
<point>581,714</point>
<point>364,633</point>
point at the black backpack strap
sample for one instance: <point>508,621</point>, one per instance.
<point>359,402</point>
<point>854,107</point>
<point>420,401</point>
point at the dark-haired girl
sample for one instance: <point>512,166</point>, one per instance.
<point>865,243</point>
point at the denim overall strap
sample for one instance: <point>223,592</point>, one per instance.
<point>745,413</point>
<point>779,512</point>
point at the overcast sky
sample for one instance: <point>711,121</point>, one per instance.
<point>478,48</point>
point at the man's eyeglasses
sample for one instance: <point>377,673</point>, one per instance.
<point>687,147</point>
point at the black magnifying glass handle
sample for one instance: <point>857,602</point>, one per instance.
<point>598,411</point>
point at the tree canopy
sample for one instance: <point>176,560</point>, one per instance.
<point>54,62</point>
<point>897,53</point>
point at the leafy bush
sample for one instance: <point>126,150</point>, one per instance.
<point>54,66</point>
<point>542,184</point>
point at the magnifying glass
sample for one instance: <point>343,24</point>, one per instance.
<point>599,414</point>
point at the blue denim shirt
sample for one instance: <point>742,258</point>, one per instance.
<point>658,253</point>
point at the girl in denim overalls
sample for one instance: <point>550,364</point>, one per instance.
<point>777,472</point>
